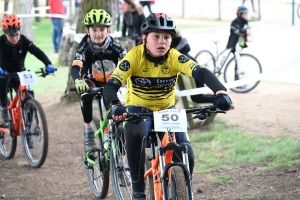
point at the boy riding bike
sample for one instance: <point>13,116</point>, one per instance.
<point>239,32</point>
<point>94,62</point>
<point>13,49</point>
<point>150,71</point>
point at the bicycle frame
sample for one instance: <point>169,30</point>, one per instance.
<point>103,124</point>
<point>15,108</point>
<point>163,160</point>
<point>218,68</point>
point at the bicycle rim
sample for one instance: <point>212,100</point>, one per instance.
<point>120,174</point>
<point>98,174</point>
<point>178,186</point>
<point>36,133</point>
<point>8,143</point>
<point>251,68</point>
<point>205,59</point>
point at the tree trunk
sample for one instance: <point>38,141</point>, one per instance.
<point>24,7</point>
<point>85,7</point>
<point>6,2</point>
<point>36,4</point>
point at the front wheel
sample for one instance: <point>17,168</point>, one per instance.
<point>249,68</point>
<point>8,140</point>
<point>178,184</point>
<point>120,174</point>
<point>206,59</point>
<point>96,169</point>
<point>35,135</point>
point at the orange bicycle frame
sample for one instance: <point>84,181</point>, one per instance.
<point>15,109</point>
<point>155,171</point>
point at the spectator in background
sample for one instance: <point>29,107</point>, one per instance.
<point>56,7</point>
<point>77,3</point>
<point>181,44</point>
<point>147,3</point>
<point>133,18</point>
<point>252,5</point>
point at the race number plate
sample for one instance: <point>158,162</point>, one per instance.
<point>174,120</point>
<point>27,78</point>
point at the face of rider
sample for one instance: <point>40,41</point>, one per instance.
<point>13,38</point>
<point>245,16</point>
<point>157,44</point>
<point>98,34</point>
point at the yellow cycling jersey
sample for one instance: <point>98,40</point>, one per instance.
<point>151,85</point>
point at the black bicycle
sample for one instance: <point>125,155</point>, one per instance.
<point>110,157</point>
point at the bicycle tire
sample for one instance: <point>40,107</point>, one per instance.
<point>8,143</point>
<point>178,184</point>
<point>38,131</point>
<point>229,73</point>
<point>207,60</point>
<point>298,11</point>
<point>120,174</point>
<point>149,181</point>
<point>98,186</point>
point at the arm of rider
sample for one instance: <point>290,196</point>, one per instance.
<point>222,100</point>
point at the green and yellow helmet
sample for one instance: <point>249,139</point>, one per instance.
<point>97,17</point>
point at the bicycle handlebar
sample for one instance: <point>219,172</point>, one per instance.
<point>42,71</point>
<point>200,113</point>
<point>91,90</point>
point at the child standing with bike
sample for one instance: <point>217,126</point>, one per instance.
<point>94,62</point>
<point>239,32</point>
<point>13,49</point>
<point>150,71</point>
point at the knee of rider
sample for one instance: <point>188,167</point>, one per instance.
<point>86,98</point>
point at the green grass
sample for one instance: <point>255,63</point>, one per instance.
<point>222,180</point>
<point>224,147</point>
<point>43,39</point>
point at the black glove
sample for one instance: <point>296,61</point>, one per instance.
<point>118,110</point>
<point>223,102</point>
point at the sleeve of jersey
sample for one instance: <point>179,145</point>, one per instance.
<point>118,78</point>
<point>193,69</point>
<point>79,58</point>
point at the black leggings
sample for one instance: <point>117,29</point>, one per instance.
<point>4,85</point>
<point>86,101</point>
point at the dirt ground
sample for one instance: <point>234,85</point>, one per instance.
<point>269,109</point>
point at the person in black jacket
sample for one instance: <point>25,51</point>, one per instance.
<point>13,50</point>
<point>133,18</point>
<point>239,31</point>
<point>181,44</point>
<point>95,60</point>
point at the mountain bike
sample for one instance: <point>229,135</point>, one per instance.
<point>26,119</point>
<point>165,179</point>
<point>110,156</point>
<point>249,65</point>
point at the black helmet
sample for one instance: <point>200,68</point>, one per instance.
<point>242,9</point>
<point>158,22</point>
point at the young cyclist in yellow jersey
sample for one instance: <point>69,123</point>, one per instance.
<point>150,71</point>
